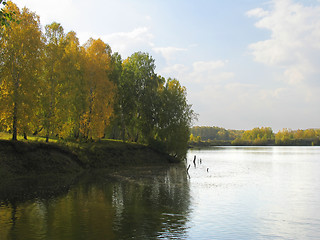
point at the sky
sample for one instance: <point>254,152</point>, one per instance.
<point>245,63</point>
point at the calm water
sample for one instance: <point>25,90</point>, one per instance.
<point>232,193</point>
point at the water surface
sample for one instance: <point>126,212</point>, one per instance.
<point>255,193</point>
<point>231,193</point>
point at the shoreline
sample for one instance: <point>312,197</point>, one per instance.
<point>23,159</point>
<point>223,143</point>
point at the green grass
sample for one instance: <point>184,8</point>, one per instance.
<point>8,136</point>
<point>5,136</point>
<point>114,143</point>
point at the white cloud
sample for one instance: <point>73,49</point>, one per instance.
<point>168,52</point>
<point>139,39</point>
<point>200,72</point>
<point>50,11</point>
<point>208,66</point>
<point>176,70</point>
<point>257,12</point>
<point>219,98</point>
<point>252,106</point>
<point>294,44</point>
<point>209,72</point>
<point>84,36</point>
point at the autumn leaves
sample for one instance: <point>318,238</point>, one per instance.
<point>20,54</point>
<point>52,86</point>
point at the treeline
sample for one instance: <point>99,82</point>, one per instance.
<point>53,87</point>
<point>298,137</point>
<point>213,133</point>
<point>256,136</point>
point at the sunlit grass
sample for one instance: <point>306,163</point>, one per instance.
<point>8,136</point>
<point>72,144</point>
<point>5,136</point>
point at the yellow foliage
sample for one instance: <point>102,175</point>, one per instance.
<point>100,90</point>
<point>20,54</point>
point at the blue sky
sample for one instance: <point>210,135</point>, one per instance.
<point>245,63</point>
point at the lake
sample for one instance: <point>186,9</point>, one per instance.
<point>229,193</point>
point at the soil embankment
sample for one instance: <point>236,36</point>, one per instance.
<point>35,158</point>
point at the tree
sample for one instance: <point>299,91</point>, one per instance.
<point>114,129</point>
<point>299,134</point>
<point>72,99</point>
<point>137,88</point>
<point>192,138</point>
<point>215,133</point>
<point>6,15</point>
<point>99,89</point>
<point>258,136</point>
<point>52,83</point>
<point>19,66</point>
<point>284,137</point>
<point>223,134</point>
<point>49,82</point>
<point>174,119</point>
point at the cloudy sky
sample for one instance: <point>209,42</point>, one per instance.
<point>245,63</point>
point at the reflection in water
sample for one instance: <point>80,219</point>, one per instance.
<point>139,203</point>
<point>248,193</point>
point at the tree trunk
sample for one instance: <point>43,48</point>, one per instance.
<point>37,131</point>
<point>14,122</point>
<point>15,76</point>
<point>123,133</point>
<point>88,130</point>
<point>137,137</point>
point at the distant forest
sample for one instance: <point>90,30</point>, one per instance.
<point>256,136</point>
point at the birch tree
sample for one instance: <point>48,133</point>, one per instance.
<point>20,52</point>
<point>100,91</point>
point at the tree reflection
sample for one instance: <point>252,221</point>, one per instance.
<point>138,203</point>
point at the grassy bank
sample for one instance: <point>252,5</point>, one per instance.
<point>29,158</point>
